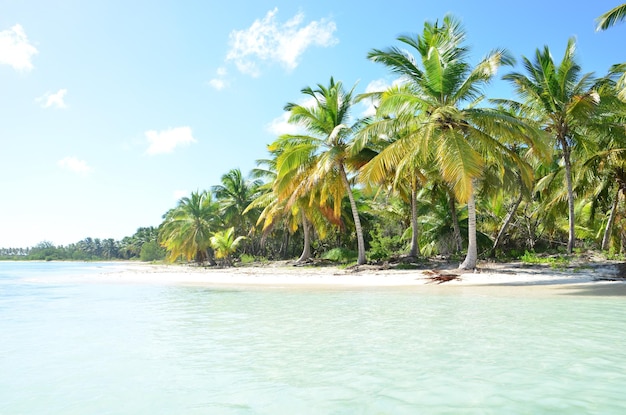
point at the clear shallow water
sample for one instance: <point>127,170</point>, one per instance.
<point>87,348</point>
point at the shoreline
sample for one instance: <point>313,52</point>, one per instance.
<point>590,278</point>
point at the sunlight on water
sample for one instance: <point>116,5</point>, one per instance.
<point>137,349</point>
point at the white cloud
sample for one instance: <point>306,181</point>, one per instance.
<point>56,100</point>
<point>280,125</point>
<point>166,141</point>
<point>218,84</point>
<point>377,85</point>
<point>267,40</point>
<point>15,49</point>
<point>221,71</point>
<point>179,194</point>
<point>74,165</point>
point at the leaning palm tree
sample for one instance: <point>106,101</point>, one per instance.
<point>438,105</point>
<point>324,149</point>
<point>610,18</point>
<point>187,229</point>
<point>282,201</point>
<point>562,101</point>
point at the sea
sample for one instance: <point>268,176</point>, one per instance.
<point>72,343</point>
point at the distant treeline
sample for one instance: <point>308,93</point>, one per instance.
<point>142,245</point>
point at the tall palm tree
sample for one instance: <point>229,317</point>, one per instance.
<point>398,163</point>
<point>610,18</point>
<point>561,100</point>
<point>324,149</point>
<point>606,168</point>
<point>187,229</point>
<point>439,106</point>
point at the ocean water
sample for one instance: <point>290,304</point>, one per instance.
<point>70,346</point>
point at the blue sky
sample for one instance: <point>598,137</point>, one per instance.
<point>112,110</point>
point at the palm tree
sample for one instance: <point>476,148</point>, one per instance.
<point>234,195</point>
<point>281,200</point>
<point>399,163</point>
<point>606,168</point>
<point>438,106</point>
<point>324,151</point>
<point>225,244</point>
<point>561,100</point>
<point>187,229</point>
<point>610,18</point>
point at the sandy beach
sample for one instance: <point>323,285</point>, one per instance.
<point>602,278</point>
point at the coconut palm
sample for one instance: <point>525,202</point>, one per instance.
<point>187,229</point>
<point>610,18</point>
<point>324,151</point>
<point>399,164</point>
<point>562,101</point>
<point>280,206</point>
<point>234,195</point>
<point>438,105</point>
<point>606,168</point>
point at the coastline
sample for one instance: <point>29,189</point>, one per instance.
<point>589,278</point>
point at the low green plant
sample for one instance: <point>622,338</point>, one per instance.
<point>247,259</point>
<point>553,261</point>
<point>382,246</point>
<point>340,255</point>
<point>407,266</point>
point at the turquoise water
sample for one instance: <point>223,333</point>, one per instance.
<point>72,347</point>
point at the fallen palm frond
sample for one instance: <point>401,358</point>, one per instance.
<point>440,277</point>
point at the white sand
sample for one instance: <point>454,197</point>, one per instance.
<point>513,275</point>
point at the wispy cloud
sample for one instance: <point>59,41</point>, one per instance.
<point>220,82</point>
<point>74,165</point>
<point>280,125</point>
<point>269,41</point>
<point>179,194</point>
<point>56,100</point>
<point>15,49</point>
<point>161,142</point>
<point>377,85</point>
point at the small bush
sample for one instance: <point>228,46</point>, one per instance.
<point>554,261</point>
<point>340,255</point>
<point>247,259</point>
<point>151,251</point>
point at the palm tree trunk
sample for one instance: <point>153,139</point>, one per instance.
<point>355,214</point>
<point>306,250</point>
<point>472,247</point>
<point>570,196</point>
<point>507,221</point>
<point>415,248</point>
<point>458,239</point>
<point>606,238</point>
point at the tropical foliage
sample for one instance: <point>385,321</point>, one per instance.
<point>612,17</point>
<point>440,168</point>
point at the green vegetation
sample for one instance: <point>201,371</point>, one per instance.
<point>553,260</point>
<point>143,245</point>
<point>440,169</point>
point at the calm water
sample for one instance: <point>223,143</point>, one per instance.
<point>73,347</point>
